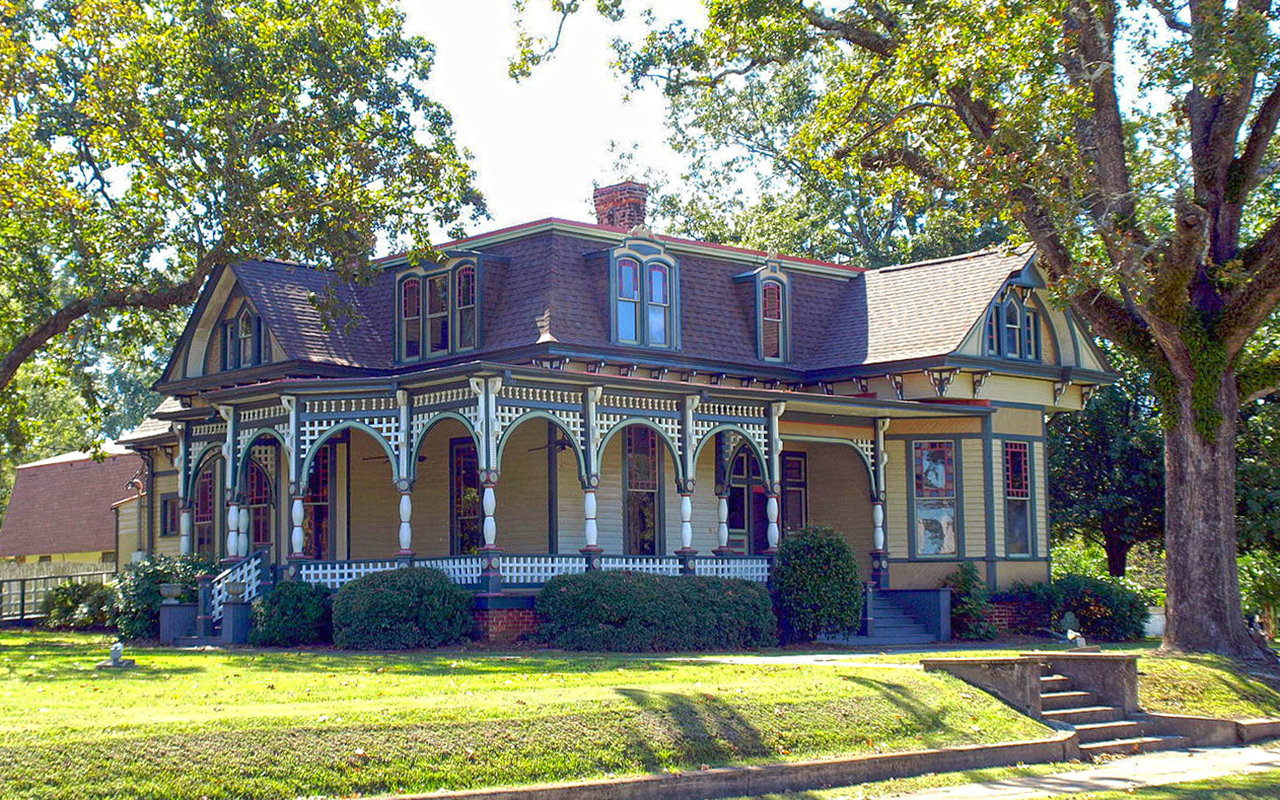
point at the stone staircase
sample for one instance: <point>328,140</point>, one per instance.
<point>890,626</point>
<point>1102,729</point>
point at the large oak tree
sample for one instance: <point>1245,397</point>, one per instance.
<point>144,142</point>
<point>1134,142</point>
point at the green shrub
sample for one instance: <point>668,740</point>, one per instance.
<point>401,609</point>
<point>816,587</point>
<point>970,604</point>
<point>640,613</point>
<point>136,609</point>
<point>1144,574</point>
<point>78,606</point>
<point>293,613</point>
<point>1106,608</point>
<point>1259,582</point>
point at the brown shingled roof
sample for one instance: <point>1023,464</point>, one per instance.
<point>63,505</point>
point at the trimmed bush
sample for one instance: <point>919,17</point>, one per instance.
<point>970,604</point>
<point>639,613</point>
<point>401,609</point>
<point>1108,610</point>
<point>136,610</point>
<point>78,606</point>
<point>293,613</point>
<point>816,587</point>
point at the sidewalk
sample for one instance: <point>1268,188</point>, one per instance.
<point>1150,769</point>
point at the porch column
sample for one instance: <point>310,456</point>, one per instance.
<point>686,551</point>
<point>233,527</point>
<point>184,529</point>
<point>296,516</point>
<point>879,553</point>
<point>406,529</point>
<point>771,510</point>
<point>490,554</point>
<point>592,550</point>
<point>774,474</point>
<point>244,533</point>
<point>722,528</point>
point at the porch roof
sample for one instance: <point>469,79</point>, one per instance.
<point>803,402</point>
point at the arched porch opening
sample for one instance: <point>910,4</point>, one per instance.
<point>446,515</point>
<point>205,493</point>
<point>638,496</point>
<point>731,479</point>
<point>262,482</point>
<point>540,508</point>
<point>827,482</point>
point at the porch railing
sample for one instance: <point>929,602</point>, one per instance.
<point>536,570</point>
<point>462,570</point>
<point>23,598</point>
<point>333,574</point>
<point>249,572</point>
<point>654,565</point>
<point>747,568</point>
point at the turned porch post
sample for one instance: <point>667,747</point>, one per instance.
<point>486,391</point>
<point>406,529</point>
<point>722,496</point>
<point>404,443</point>
<point>879,552</point>
<point>591,478</point>
<point>297,513</point>
<point>184,529</point>
<point>773,504</point>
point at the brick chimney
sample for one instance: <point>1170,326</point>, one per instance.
<point>621,205</point>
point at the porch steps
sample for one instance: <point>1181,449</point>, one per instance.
<point>893,626</point>
<point>1102,730</point>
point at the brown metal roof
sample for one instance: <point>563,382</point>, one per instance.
<point>63,505</point>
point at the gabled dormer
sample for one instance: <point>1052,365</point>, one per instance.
<point>438,308</point>
<point>644,293</point>
<point>771,291</point>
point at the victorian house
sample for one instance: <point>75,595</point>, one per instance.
<point>559,396</point>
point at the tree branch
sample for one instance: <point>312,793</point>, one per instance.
<point>1250,305</point>
<point>1246,170</point>
<point>904,157</point>
<point>1170,16</point>
<point>851,32</point>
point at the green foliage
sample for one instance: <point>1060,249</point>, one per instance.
<point>1145,576</point>
<point>1260,581</point>
<point>816,587</point>
<point>970,602</point>
<point>1107,610</point>
<point>78,606</point>
<point>1107,467</point>
<point>136,611</point>
<point>146,142</point>
<point>1258,475</point>
<point>640,613</point>
<point>293,613</point>
<point>401,609</point>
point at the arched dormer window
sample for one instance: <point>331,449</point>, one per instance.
<point>411,319</point>
<point>244,341</point>
<point>772,321</point>
<point>644,287</point>
<point>438,312</point>
<point>1012,329</point>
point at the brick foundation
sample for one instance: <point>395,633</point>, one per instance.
<point>505,625</point>
<point>1011,616</point>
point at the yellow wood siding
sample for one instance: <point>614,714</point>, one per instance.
<point>1021,570</point>
<point>570,523</point>
<point>895,502</point>
<point>375,503</point>
<point>1018,421</point>
<point>973,503</point>
<point>1038,477</point>
<point>521,512</point>
<point>839,494</point>
<point>997,458</point>
<point>921,574</point>
<point>934,427</point>
<point>127,530</point>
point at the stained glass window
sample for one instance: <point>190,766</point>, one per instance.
<point>1017,499</point>
<point>935,498</point>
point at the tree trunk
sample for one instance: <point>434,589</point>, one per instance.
<point>1203,608</point>
<point>1117,554</point>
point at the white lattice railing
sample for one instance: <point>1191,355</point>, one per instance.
<point>539,569</point>
<point>462,570</point>
<point>333,574</point>
<point>248,572</point>
<point>654,565</point>
<point>748,569</point>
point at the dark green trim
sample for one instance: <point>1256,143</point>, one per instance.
<point>958,499</point>
<point>553,488</point>
<point>988,496</point>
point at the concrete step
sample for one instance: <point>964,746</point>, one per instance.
<point>882,628</point>
<point>1050,701</point>
<point>1091,732</point>
<point>1084,714</point>
<point>889,641</point>
<point>1134,745</point>
<point>1054,683</point>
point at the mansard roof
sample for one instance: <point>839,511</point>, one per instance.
<point>545,285</point>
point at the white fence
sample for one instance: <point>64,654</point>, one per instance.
<point>537,570</point>
<point>748,569</point>
<point>248,572</point>
<point>463,570</point>
<point>333,574</point>
<point>653,565</point>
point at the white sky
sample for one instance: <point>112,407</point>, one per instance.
<point>539,144</point>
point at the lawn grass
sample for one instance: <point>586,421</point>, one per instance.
<point>896,787</point>
<point>274,724</point>
<point>1239,787</point>
<point>1203,685</point>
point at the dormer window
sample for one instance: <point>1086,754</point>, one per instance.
<point>1012,329</point>
<point>244,342</point>
<point>772,321</point>
<point>411,319</point>
<point>645,287</point>
<point>439,313</point>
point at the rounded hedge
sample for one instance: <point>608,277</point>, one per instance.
<point>293,613</point>
<point>970,604</point>
<point>816,587</point>
<point>641,613</point>
<point>1107,609</point>
<point>78,606</point>
<point>401,609</point>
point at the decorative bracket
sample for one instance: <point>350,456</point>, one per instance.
<point>1087,392</point>
<point>941,379</point>
<point>980,380</point>
<point>658,373</point>
<point>896,381</point>
<point>1059,389</point>
<point>861,383</point>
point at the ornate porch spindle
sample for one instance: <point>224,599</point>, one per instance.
<point>404,436</point>
<point>591,481</point>
<point>406,529</point>
<point>297,514</point>
<point>880,553</point>
<point>184,529</point>
<point>722,496</point>
<point>243,531</point>
<point>593,550</point>
<point>775,475</point>
<point>486,391</point>
<point>233,528</point>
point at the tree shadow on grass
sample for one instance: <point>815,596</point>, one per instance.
<point>709,731</point>
<point>900,696</point>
